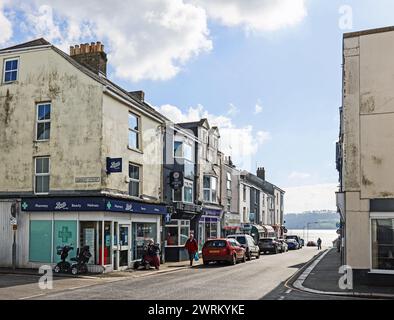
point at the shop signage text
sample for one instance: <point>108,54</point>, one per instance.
<point>90,204</point>
<point>114,165</point>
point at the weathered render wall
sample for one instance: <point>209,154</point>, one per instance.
<point>150,157</point>
<point>74,145</point>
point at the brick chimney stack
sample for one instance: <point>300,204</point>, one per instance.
<point>261,173</point>
<point>91,56</point>
<point>139,95</point>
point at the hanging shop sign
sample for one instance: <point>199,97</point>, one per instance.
<point>176,180</point>
<point>114,165</point>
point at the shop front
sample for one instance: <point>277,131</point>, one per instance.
<point>231,224</point>
<point>181,224</point>
<point>115,230</point>
<point>209,226</point>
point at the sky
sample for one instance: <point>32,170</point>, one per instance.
<point>267,72</point>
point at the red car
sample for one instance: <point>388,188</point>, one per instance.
<point>219,250</point>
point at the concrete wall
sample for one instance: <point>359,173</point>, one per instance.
<point>74,145</point>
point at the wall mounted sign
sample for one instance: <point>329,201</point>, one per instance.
<point>176,180</point>
<point>87,179</point>
<point>114,165</point>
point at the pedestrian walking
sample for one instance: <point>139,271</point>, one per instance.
<point>319,244</point>
<point>191,247</point>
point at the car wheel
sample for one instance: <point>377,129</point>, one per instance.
<point>243,258</point>
<point>258,255</point>
<point>234,260</point>
<point>249,255</point>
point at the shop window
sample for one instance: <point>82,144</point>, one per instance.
<point>88,237</point>
<point>142,233</point>
<point>40,241</point>
<point>177,232</point>
<point>64,233</point>
<point>383,244</point>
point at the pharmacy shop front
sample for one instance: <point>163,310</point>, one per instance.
<point>115,230</point>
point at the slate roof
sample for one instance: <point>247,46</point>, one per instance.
<point>103,80</point>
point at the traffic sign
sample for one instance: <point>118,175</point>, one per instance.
<point>13,221</point>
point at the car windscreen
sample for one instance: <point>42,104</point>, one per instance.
<point>241,240</point>
<point>266,240</point>
<point>292,237</point>
<point>216,244</point>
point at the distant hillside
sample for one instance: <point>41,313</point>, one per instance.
<point>324,219</point>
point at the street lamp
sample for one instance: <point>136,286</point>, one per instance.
<point>307,229</point>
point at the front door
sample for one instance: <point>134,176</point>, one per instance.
<point>121,246</point>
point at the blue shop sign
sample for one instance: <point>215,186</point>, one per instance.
<point>212,212</point>
<point>90,204</point>
<point>114,165</point>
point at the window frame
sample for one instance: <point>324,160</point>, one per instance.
<point>377,216</point>
<point>136,131</point>
<point>191,185</point>
<point>42,174</point>
<point>43,121</point>
<point>135,180</point>
<point>4,70</point>
<point>179,223</point>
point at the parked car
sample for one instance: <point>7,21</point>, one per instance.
<point>271,245</point>
<point>284,246</point>
<point>223,250</point>
<point>311,244</point>
<point>302,242</point>
<point>292,244</point>
<point>296,238</point>
<point>246,241</point>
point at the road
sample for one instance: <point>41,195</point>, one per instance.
<point>245,281</point>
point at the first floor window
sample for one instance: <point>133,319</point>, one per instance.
<point>382,244</point>
<point>43,121</point>
<point>184,194</point>
<point>229,204</point>
<point>134,184</point>
<point>210,189</point>
<point>41,175</point>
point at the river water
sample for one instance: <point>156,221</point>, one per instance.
<point>327,236</point>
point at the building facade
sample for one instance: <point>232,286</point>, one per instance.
<point>80,156</point>
<point>365,155</point>
<point>181,190</point>
<point>208,172</point>
<point>230,196</point>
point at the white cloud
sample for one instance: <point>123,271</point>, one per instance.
<point>258,108</point>
<point>256,15</point>
<point>299,175</point>
<point>312,197</point>
<point>232,110</point>
<point>241,143</point>
<point>145,39</point>
<point>5,24</point>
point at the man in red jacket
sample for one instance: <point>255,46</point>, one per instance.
<point>191,247</point>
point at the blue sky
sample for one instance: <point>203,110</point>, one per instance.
<point>293,72</point>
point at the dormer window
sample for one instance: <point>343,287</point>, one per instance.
<point>10,70</point>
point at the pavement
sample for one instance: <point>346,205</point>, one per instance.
<point>245,281</point>
<point>319,280</point>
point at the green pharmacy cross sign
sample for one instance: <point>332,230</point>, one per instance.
<point>24,205</point>
<point>109,205</point>
<point>65,234</point>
